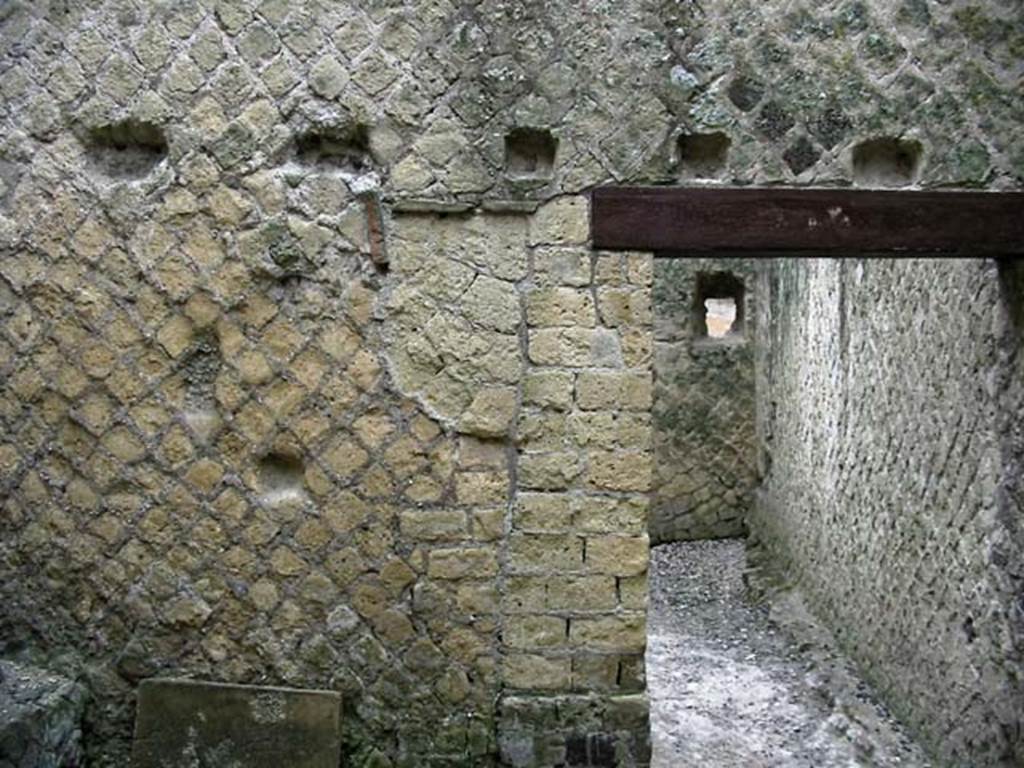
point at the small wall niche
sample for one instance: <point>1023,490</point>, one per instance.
<point>530,153</point>
<point>718,312</point>
<point>887,162</point>
<point>128,149</point>
<point>702,155</point>
<point>345,148</point>
<point>281,478</point>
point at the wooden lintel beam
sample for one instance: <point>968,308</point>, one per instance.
<point>821,222</point>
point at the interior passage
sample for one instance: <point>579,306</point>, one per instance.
<point>733,682</point>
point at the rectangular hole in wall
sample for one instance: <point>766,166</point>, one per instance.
<point>718,306</point>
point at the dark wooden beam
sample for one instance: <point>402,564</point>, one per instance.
<point>825,222</point>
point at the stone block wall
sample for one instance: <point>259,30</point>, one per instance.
<point>704,434</point>
<point>538,351</point>
<point>299,387</point>
<point>425,489</point>
<point>889,404</point>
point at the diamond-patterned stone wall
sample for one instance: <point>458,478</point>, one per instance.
<point>890,401</point>
<point>148,535</point>
<point>259,425</point>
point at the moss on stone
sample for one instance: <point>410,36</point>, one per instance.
<point>977,26</point>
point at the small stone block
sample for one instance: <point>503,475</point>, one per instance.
<point>182,721</point>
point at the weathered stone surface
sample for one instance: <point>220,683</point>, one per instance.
<point>40,718</point>
<point>565,221</point>
<point>183,721</point>
<point>490,413</point>
<point>166,334</point>
<point>894,417</point>
<point>578,730</point>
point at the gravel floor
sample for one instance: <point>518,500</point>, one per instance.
<point>732,684</point>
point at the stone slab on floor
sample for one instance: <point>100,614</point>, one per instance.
<point>188,722</point>
<point>40,716</point>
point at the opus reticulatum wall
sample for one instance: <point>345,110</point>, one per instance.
<point>308,374</point>
<point>889,404</point>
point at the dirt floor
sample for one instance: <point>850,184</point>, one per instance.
<point>732,683</point>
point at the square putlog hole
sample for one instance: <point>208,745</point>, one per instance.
<point>282,479</point>
<point>346,148</point>
<point>887,162</point>
<point>129,149</point>
<point>530,153</point>
<point>703,155</point>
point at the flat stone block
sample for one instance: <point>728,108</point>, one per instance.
<point>186,722</point>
